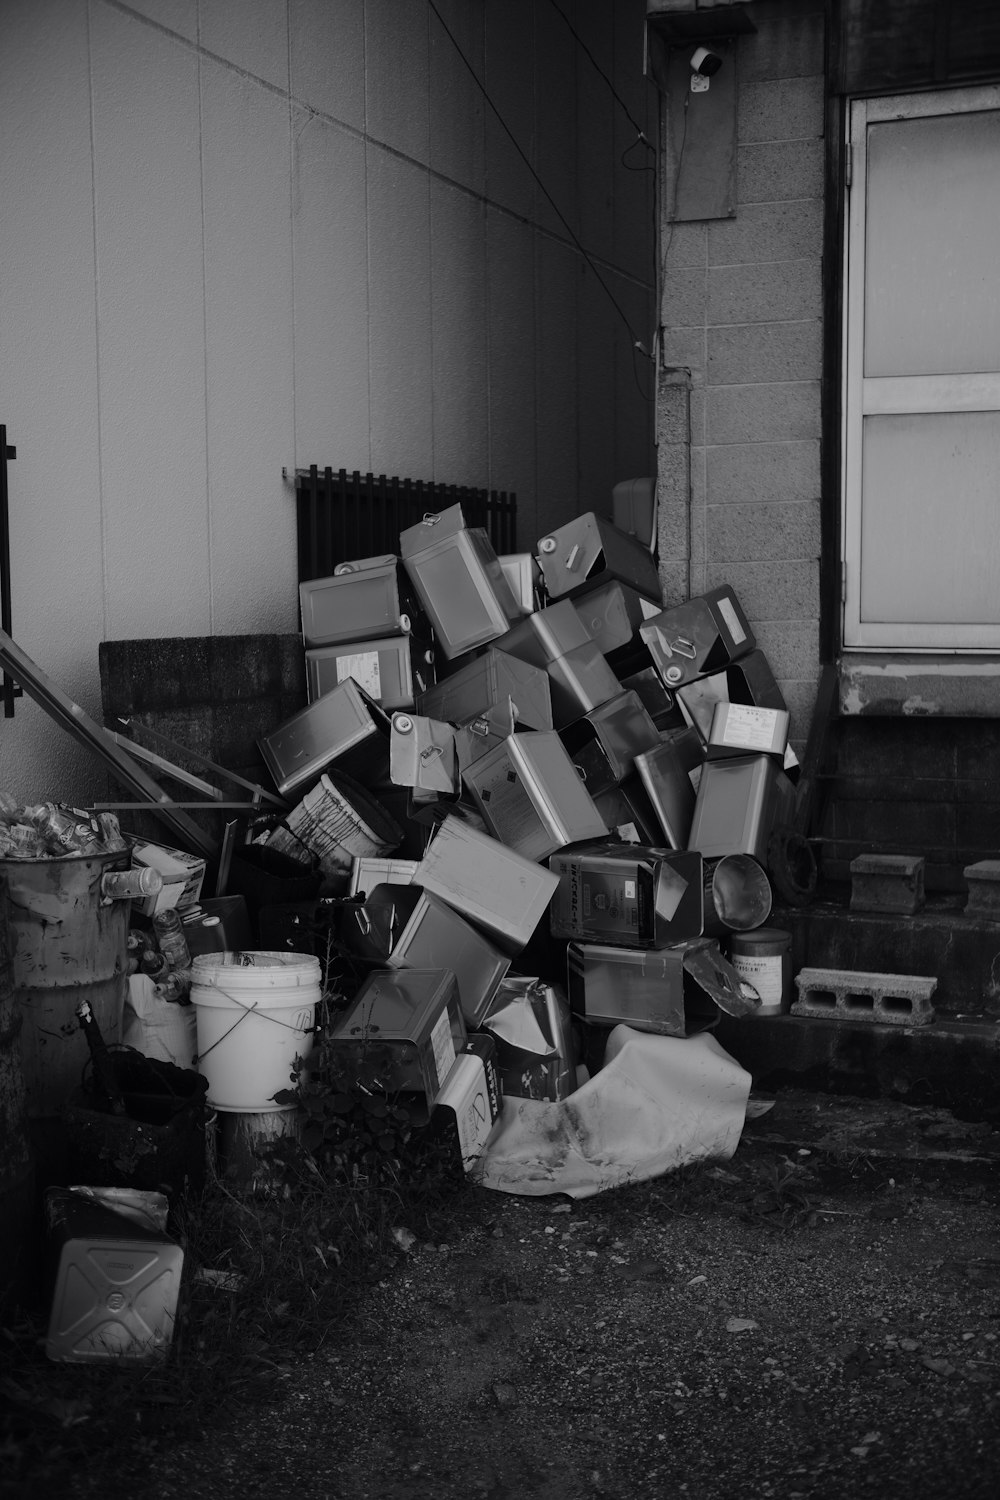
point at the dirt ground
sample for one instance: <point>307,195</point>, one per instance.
<point>817,1317</point>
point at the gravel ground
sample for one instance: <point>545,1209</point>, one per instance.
<point>798,1322</point>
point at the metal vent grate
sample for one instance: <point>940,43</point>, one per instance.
<point>342,516</point>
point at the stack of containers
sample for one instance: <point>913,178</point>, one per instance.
<point>588,793</point>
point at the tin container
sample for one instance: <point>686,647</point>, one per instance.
<point>403,1032</point>
<point>468,1105</point>
<point>580,680</point>
<point>493,886</point>
<point>435,935</point>
<point>115,1283</point>
<point>524,577</point>
<point>496,687</point>
<point>665,773</point>
<point>764,959</point>
<point>738,803</point>
<point>611,615</point>
<point>346,725</point>
<point>392,670</point>
<point>459,580</point>
<point>531,796</point>
<point>748,681</point>
<point>737,894</point>
<point>738,729</point>
<point>603,744</point>
<point>530,1024</point>
<point>589,551</point>
<point>633,509</point>
<point>361,601</point>
<point>657,699</point>
<point>627,894</point>
<point>545,635</point>
<point>628,812</point>
<point>645,989</point>
<point>698,637</point>
<point>422,754</point>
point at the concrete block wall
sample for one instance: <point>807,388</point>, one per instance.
<point>738,402</point>
<point>249,235</point>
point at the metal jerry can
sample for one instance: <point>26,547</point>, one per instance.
<point>603,744</point>
<point>496,687</point>
<point>460,581</point>
<point>392,670</point>
<point>345,725</point>
<point>739,802</point>
<point>748,681</point>
<point>589,551</point>
<point>699,637</point>
<point>627,894</point>
<point>531,796</point>
<point>361,601</point>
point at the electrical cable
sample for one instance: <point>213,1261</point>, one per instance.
<point>635,343</point>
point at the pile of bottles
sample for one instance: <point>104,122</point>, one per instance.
<point>164,955</point>
<point>51,830</point>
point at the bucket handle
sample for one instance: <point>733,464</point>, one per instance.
<point>247,1010</point>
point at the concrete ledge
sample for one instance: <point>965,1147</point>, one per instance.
<point>954,1065</point>
<point>876,683</point>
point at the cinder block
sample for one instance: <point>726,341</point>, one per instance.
<point>884,999</point>
<point>771,590</point>
<point>764,533</point>
<point>780,170</point>
<point>764,353</point>
<point>887,882</point>
<point>768,232</point>
<point>781,109</point>
<point>766,413</point>
<point>764,292</point>
<point>984,889</point>
<point>740,473</point>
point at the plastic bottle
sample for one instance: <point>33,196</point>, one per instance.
<point>154,964</point>
<point>175,987</point>
<point>170,935</point>
<point>126,885</point>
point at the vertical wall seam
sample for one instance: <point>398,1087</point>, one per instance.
<point>204,332</point>
<point>97,329</point>
<point>368,224</point>
<point>291,227</point>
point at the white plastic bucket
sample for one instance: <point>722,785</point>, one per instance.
<point>255,1014</point>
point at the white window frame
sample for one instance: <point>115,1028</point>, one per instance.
<point>863,396</point>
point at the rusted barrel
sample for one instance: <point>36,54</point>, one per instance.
<point>16,1165</point>
<point>67,944</point>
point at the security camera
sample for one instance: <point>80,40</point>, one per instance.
<point>705,62</point>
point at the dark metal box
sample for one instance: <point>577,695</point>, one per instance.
<point>345,725</point>
<point>392,669</point>
<point>698,637</point>
<point>627,894</point>
<point>589,551</point>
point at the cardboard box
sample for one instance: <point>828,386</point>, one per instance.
<point>628,895</point>
<point>403,1032</point>
<point>183,876</point>
<point>494,887</point>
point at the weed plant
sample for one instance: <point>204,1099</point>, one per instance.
<point>273,1269</point>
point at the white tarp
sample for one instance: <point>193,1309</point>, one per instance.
<point>657,1103</point>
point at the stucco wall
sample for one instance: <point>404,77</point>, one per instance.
<point>738,418</point>
<point>242,235</point>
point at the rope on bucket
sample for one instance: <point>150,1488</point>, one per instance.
<point>247,1011</point>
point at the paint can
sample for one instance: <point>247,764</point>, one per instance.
<point>764,959</point>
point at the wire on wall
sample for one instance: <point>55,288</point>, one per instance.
<point>636,344</point>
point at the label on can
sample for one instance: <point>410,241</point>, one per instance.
<point>443,1047</point>
<point>728,613</point>
<point>364,668</point>
<point>766,974</point>
<point>752,728</point>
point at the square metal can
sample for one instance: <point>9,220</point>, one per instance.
<point>741,729</point>
<point>546,634</point>
<point>392,670</point>
<point>589,551</point>
<point>435,935</point>
<point>627,894</point>
<point>698,637</point>
<point>748,681</point>
<point>738,804</point>
<point>403,1032</point>
<point>531,796</point>
<point>360,601</point>
<point>495,686</point>
<point>580,680</point>
<point>493,886</point>
<point>459,580</point>
<point>605,742</point>
<point>345,725</point>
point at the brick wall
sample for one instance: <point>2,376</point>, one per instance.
<point>738,408</point>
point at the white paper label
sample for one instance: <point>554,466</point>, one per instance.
<point>630,890</point>
<point>363,667</point>
<point>765,974</point>
<point>443,1047</point>
<point>753,728</point>
<point>728,613</point>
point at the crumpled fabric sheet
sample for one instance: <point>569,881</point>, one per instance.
<point>657,1103</point>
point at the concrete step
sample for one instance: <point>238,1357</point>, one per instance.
<point>950,1064</point>
<point>940,941</point>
